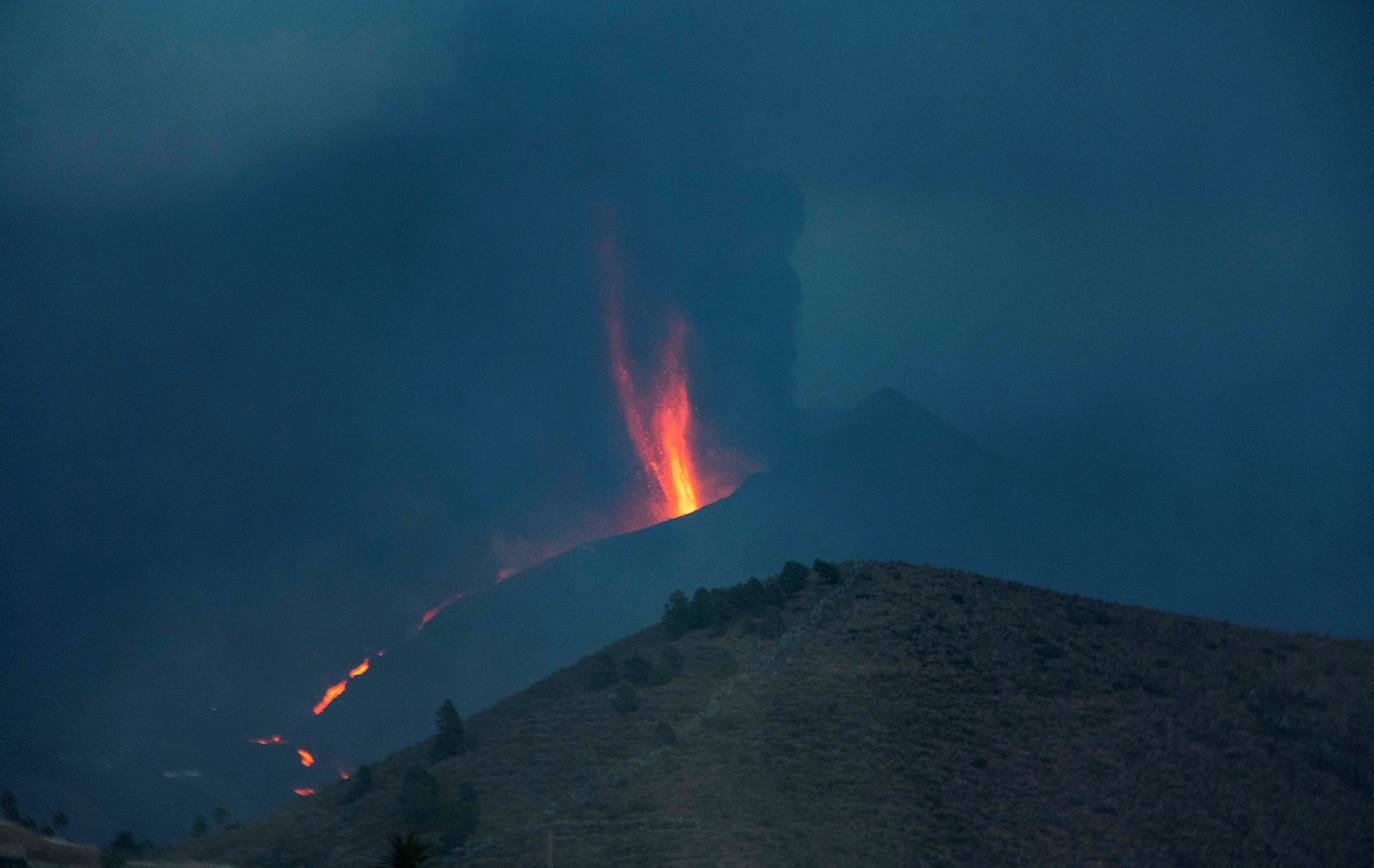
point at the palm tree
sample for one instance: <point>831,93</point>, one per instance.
<point>408,851</point>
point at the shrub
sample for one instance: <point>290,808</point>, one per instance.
<point>827,571</point>
<point>792,578</point>
<point>626,699</point>
<point>726,666</point>
<point>677,617</point>
<point>421,799</point>
<point>664,733</point>
<point>427,806</point>
<point>122,849</point>
<point>360,785</point>
<point>406,851</point>
<point>642,673</point>
<point>671,659</point>
<point>747,597</point>
<point>465,816</point>
<point>772,625</point>
<point>603,670</point>
<point>717,608</point>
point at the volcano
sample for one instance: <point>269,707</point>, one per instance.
<point>890,479</point>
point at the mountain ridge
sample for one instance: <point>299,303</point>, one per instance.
<point>905,715</point>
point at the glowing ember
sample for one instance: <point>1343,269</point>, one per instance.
<point>303,791</point>
<point>271,739</point>
<point>307,758</point>
<point>333,693</point>
<point>360,668</point>
<point>343,775</point>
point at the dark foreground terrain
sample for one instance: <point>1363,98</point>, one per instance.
<point>903,716</point>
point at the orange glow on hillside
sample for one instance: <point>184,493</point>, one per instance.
<point>303,791</point>
<point>271,739</point>
<point>307,758</point>
<point>360,668</point>
<point>333,693</point>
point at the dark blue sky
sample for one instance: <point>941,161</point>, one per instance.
<point>298,322</point>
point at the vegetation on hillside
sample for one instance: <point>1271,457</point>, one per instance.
<point>9,809</point>
<point>717,608</point>
<point>909,715</point>
<point>449,740</point>
<point>407,851</point>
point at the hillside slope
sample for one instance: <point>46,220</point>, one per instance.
<point>889,481</point>
<point>905,715</point>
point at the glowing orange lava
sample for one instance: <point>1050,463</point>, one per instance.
<point>333,693</point>
<point>680,475</point>
<point>658,414</point>
<point>429,615</point>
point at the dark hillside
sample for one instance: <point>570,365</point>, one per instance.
<point>903,715</point>
<point>890,480</point>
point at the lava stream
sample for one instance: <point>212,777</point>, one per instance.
<point>429,615</point>
<point>333,693</point>
<point>659,419</point>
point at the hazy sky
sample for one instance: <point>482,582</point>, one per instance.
<point>298,315</point>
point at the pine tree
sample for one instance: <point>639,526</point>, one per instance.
<point>450,740</point>
<point>677,617</point>
<point>199,828</point>
<point>362,783</point>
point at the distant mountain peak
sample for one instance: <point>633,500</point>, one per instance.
<point>896,418</point>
